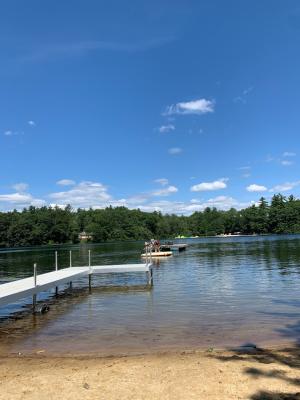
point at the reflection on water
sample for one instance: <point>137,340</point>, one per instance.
<point>219,292</point>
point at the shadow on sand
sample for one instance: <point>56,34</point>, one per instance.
<point>289,357</point>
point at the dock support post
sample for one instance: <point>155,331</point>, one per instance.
<point>56,269</point>
<point>56,263</point>
<point>150,277</point>
<point>90,272</point>
<point>70,285</point>
<point>34,296</point>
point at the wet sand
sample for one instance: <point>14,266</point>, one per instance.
<point>249,374</point>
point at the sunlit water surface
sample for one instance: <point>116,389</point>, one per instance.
<point>220,292</point>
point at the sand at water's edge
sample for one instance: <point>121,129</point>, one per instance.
<point>199,375</point>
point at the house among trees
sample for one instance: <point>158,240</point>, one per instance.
<point>85,236</point>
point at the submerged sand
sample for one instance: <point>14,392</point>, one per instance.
<point>249,374</point>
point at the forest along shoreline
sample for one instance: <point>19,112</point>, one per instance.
<point>56,225</point>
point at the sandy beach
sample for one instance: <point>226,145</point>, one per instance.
<point>250,374</point>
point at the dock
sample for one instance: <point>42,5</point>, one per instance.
<point>13,291</point>
<point>158,254</point>
<point>173,246</point>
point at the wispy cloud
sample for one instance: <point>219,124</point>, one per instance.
<point>256,188</point>
<point>286,163</point>
<point>270,158</point>
<point>12,133</point>
<point>162,181</point>
<point>208,186</point>
<point>285,187</point>
<point>289,154</point>
<point>242,98</point>
<point>31,123</point>
<point>20,187</point>
<point>198,107</point>
<point>175,150</point>
<point>65,182</point>
<point>79,48</point>
<point>246,170</point>
<point>166,128</point>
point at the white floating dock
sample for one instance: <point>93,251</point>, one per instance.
<point>16,290</point>
<point>158,254</point>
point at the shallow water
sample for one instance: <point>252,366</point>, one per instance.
<point>220,292</point>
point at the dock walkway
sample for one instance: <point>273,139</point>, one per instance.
<point>13,291</point>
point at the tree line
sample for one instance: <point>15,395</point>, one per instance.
<point>54,225</point>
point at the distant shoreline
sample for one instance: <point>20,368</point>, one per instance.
<point>83,243</point>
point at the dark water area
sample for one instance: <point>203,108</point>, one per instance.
<point>220,292</point>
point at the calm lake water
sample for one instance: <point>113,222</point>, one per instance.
<point>220,292</point>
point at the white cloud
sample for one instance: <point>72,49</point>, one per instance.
<point>284,187</point>
<point>66,182</point>
<point>20,187</point>
<point>8,133</point>
<point>207,186</point>
<point>289,154</point>
<point>162,181</point>
<point>85,194</point>
<point>175,150</point>
<point>200,106</point>
<point>186,208</point>
<point>256,188</point>
<point>166,128</point>
<point>31,123</point>
<point>286,163</point>
<point>19,201</point>
<point>166,191</point>
<point>88,194</point>
<point>16,198</point>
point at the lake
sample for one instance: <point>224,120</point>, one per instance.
<point>220,292</point>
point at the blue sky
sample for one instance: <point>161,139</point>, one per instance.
<point>165,105</point>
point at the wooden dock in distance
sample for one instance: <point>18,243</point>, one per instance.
<point>13,291</point>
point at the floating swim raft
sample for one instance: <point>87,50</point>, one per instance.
<point>155,254</point>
